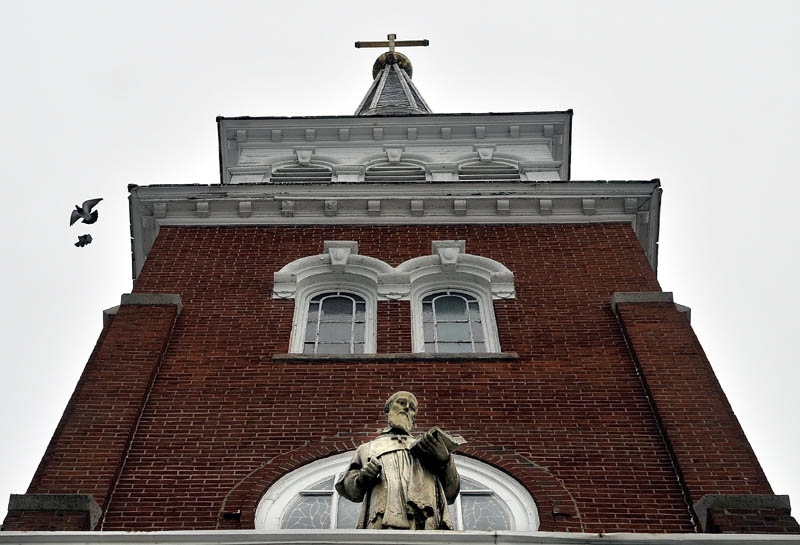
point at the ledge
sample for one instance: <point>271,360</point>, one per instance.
<point>152,299</point>
<point>385,537</point>
<point>399,356</point>
<point>57,502</point>
<point>744,502</point>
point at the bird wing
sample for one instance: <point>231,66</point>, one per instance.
<point>91,203</point>
<point>75,216</point>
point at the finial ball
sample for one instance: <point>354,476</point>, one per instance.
<point>391,58</point>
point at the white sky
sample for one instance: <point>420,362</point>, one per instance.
<point>703,95</point>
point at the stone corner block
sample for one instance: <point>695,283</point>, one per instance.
<point>620,297</point>
<point>57,502</point>
<point>745,502</point>
<point>152,299</point>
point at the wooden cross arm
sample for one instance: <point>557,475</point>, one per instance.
<point>401,43</point>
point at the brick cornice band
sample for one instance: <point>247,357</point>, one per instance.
<point>153,299</point>
<point>739,502</point>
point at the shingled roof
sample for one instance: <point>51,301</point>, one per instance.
<point>392,92</point>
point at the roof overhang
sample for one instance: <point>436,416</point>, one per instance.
<point>633,202</point>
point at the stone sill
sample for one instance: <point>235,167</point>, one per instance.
<point>400,356</point>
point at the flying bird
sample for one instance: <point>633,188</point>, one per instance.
<point>83,240</point>
<point>85,212</point>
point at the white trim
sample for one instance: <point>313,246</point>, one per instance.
<point>384,537</point>
<point>273,504</point>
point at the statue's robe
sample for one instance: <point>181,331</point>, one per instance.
<point>408,493</point>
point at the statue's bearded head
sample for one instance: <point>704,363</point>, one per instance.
<point>401,410</point>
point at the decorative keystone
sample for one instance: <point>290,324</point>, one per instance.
<point>460,207</point>
<point>545,207</point>
<point>485,153</point>
<point>417,207</point>
<point>304,155</point>
<point>339,252</point>
<point>202,209</point>
<point>503,207</point>
<point>374,208</point>
<point>448,252</point>
<point>589,207</point>
<point>393,154</point>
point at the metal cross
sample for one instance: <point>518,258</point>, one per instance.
<point>392,43</point>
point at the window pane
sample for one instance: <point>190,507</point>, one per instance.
<point>483,513</point>
<point>450,308</point>
<point>330,348</point>
<point>452,332</point>
<point>358,348</point>
<point>477,331</point>
<point>474,312</point>
<point>327,484</point>
<point>430,348</point>
<point>348,514</point>
<point>480,347</point>
<point>361,309</point>
<point>358,330</point>
<point>313,310</point>
<point>455,347</point>
<point>469,484</point>
<point>308,513</point>
<point>427,312</point>
<point>337,309</point>
<point>311,332</point>
<point>308,348</point>
<point>427,329</point>
<point>334,331</point>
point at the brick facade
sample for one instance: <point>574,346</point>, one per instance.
<point>567,415</point>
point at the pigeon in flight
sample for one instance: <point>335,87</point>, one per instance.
<point>83,240</point>
<point>85,212</point>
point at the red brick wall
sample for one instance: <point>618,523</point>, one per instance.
<point>710,447</point>
<point>89,445</point>
<point>571,410</point>
<point>745,521</point>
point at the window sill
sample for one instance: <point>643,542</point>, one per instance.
<point>401,356</point>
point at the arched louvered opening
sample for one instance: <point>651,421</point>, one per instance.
<point>399,172</point>
<point>301,173</point>
<point>490,172</point>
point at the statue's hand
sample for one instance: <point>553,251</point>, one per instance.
<point>434,448</point>
<point>369,473</point>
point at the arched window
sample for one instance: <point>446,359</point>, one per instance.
<point>306,499</point>
<point>451,322</point>
<point>335,323</point>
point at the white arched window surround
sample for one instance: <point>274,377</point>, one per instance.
<point>340,268</point>
<point>518,504</point>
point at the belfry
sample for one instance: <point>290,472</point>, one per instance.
<point>341,259</point>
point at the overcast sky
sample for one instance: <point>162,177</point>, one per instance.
<point>97,95</point>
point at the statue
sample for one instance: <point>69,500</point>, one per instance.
<point>403,481</point>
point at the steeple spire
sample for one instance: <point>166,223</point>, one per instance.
<point>392,92</point>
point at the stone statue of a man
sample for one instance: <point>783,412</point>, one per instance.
<point>403,481</point>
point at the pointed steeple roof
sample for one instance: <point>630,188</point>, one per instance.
<point>392,92</point>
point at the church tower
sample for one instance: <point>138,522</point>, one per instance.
<point>344,258</point>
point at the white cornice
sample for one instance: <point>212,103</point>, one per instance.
<point>634,202</point>
<point>384,537</point>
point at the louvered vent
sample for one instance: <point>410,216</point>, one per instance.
<point>395,173</point>
<point>301,173</point>
<point>489,172</point>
